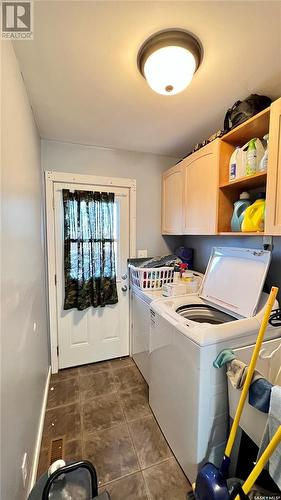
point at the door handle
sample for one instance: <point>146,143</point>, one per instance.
<point>124,288</point>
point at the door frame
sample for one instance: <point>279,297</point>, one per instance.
<point>52,177</point>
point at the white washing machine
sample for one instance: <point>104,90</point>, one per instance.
<point>187,395</point>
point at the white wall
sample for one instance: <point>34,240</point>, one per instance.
<point>145,168</point>
<point>203,245</point>
<point>24,351</point>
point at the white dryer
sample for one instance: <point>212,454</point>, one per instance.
<point>140,301</point>
<point>187,394</point>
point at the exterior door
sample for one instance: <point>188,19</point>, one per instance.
<point>101,333</point>
<point>201,174</point>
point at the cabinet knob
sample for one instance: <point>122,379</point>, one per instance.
<point>124,276</point>
<point>124,288</point>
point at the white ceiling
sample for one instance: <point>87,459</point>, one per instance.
<point>81,75</point>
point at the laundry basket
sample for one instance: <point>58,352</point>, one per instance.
<point>151,278</point>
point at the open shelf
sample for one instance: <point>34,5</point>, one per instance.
<point>229,191</point>
<point>257,126</point>
<point>249,182</point>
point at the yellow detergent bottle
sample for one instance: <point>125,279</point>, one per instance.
<point>254,216</point>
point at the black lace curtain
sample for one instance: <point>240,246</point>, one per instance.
<point>89,249</point>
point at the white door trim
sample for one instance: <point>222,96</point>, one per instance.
<point>50,178</point>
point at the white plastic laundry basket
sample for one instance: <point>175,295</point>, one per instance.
<point>151,278</point>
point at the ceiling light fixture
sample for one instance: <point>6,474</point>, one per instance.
<point>168,60</point>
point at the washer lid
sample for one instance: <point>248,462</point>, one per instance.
<point>234,279</point>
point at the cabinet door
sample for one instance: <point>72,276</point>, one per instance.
<point>201,172</point>
<point>172,200</point>
<point>273,189</point>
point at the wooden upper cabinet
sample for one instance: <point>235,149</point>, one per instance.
<point>172,200</point>
<point>273,188</point>
<point>201,176</point>
<point>198,197</point>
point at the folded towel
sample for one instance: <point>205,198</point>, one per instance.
<point>236,372</point>
<point>260,394</point>
<point>274,358</point>
<point>273,422</point>
<point>164,260</point>
<point>225,356</point>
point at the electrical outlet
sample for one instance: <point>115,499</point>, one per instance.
<point>24,469</point>
<point>267,242</point>
<point>142,254</point>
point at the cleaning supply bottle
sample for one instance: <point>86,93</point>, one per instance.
<point>254,216</point>
<point>251,163</point>
<point>234,165</point>
<point>239,211</point>
<point>264,161</point>
<point>183,267</point>
<point>177,274</point>
<point>187,276</point>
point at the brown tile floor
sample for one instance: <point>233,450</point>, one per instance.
<point>102,412</point>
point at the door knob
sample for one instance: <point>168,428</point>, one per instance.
<point>124,276</point>
<point>124,288</point>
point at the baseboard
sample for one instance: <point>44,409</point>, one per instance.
<point>33,472</point>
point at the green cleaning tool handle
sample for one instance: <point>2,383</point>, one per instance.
<point>251,369</point>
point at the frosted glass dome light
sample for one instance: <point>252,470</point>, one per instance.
<point>168,61</point>
<point>169,70</point>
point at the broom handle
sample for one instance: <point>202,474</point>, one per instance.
<point>250,372</point>
<point>261,462</point>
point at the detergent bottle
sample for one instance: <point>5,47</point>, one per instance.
<point>239,211</point>
<point>177,274</point>
<point>251,165</point>
<point>264,161</point>
<point>254,216</point>
<point>234,164</point>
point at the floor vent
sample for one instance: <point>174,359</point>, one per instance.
<point>56,451</point>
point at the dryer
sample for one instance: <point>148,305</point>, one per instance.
<point>140,301</point>
<point>187,394</point>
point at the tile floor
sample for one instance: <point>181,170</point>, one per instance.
<point>102,412</point>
